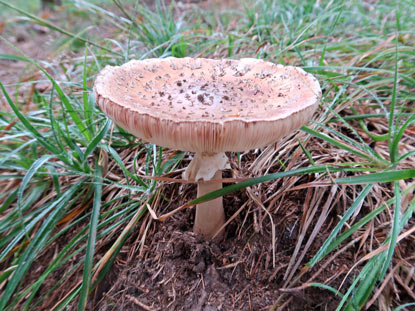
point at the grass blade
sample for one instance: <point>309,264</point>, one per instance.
<point>393,148</point>
<point>394,145</point>
<point>87,106</point>
<point>396,228</point>
<point>90,250</point>
<point>341,145</point>
<point>28,125</point>
<point>30,173</point>
<point>120,163</point>
<point>262,179</point>
<point>63,97</point>
<point>327,287</point>
<point>328,242</point>
<point>404,306</point>
<point>367,284</point>
<point>382,177</point>
<point>96,140</point>
<point>26,259</point>
<point>354,228</point>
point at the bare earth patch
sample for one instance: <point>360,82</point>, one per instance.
<point>177,270</point>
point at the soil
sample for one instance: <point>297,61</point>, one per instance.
<point>178,270</point>
<point>30,40</point>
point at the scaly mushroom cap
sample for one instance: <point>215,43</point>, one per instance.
<point>206,105</point>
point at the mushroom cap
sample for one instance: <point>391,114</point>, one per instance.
<point>207,105</point>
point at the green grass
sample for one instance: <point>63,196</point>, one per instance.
<point>59,152</point>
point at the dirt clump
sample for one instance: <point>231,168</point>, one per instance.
<point>186,273</point>
<point>178,270</point>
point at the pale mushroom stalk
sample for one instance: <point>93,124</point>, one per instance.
<point>210,215</point>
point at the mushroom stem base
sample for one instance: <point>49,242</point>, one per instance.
<point>210,215</point>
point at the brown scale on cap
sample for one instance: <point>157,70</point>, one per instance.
<point>164,97</point>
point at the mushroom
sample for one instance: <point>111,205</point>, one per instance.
<point>208,107</point>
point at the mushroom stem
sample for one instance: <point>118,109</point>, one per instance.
<point>210,215</point>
